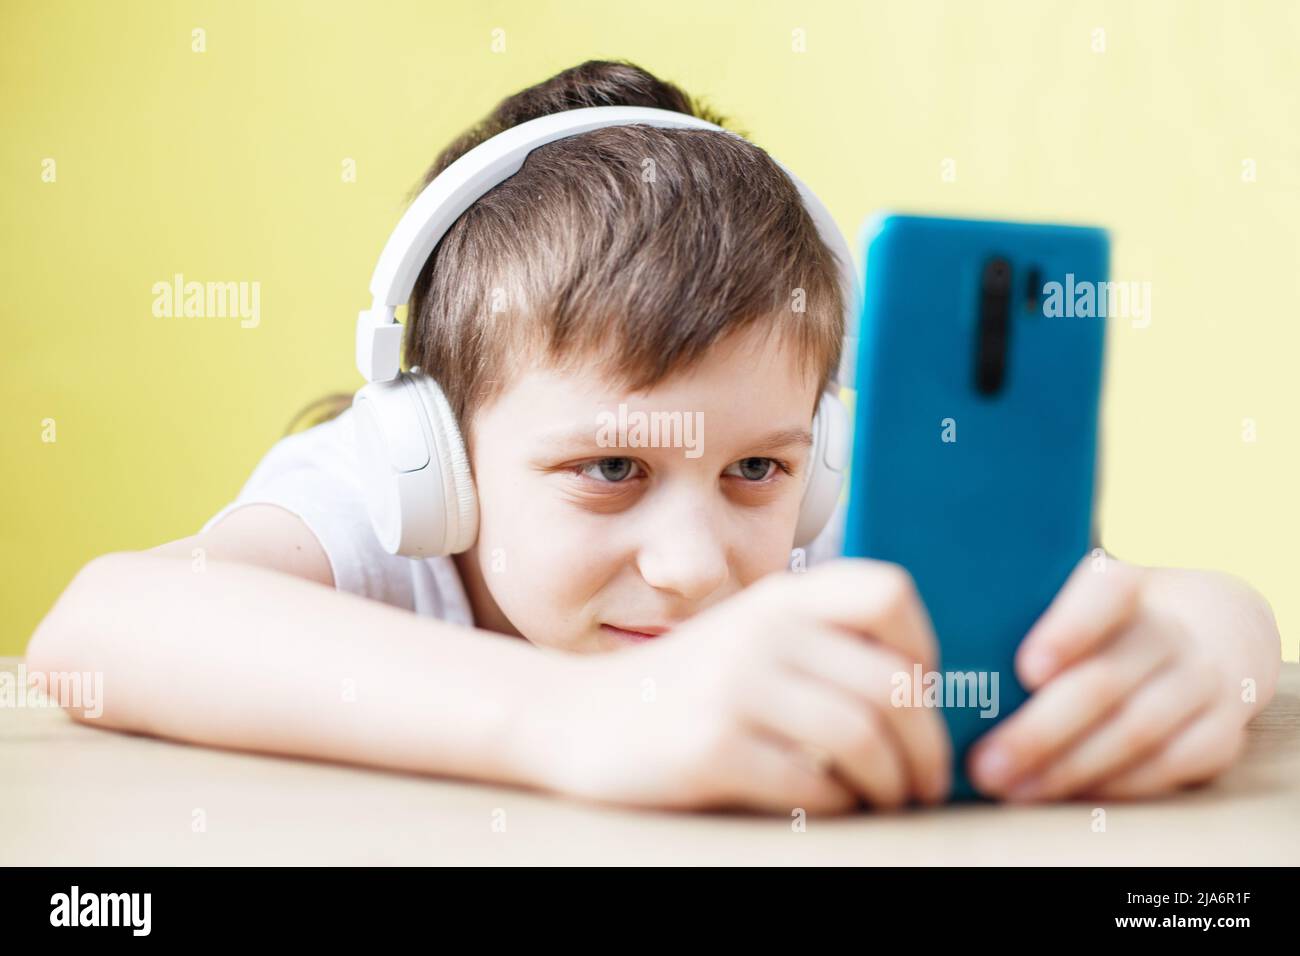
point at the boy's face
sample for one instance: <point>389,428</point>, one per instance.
<point>583,538</point>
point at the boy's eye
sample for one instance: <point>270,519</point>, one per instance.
<point>753,469</point>
<point>610,470</point>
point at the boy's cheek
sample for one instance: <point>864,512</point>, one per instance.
<point>536,539</point>
<point>543,580</point>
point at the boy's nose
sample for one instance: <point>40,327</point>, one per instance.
<point>688,559</point>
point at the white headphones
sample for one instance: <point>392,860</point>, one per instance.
<point>415,472</point>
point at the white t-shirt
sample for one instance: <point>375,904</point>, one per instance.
<point>314,475</point>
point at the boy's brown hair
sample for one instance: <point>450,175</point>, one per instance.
<point>631,247</point>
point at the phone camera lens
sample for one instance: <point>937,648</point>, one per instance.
<point>994,326</point>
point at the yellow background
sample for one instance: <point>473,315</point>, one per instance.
<point>227,165</point>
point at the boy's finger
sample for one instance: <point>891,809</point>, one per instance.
<point>1202,749</point>
<point>1153,716</point>
<point>1099,597</point>
<point>804,712</point>
<point>872,598</point>
<point>1058,715</point>
<point>870,673</point>
<point>766,775</point>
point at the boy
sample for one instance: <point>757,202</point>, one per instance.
<point>735,684</point>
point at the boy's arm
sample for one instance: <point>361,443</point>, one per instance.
<point>775,698</point>
<point>230,654</point>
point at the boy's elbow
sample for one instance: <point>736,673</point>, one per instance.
<point>63,636</point>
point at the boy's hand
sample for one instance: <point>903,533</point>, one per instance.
<point>776,699</point>
<point>1128,700</point>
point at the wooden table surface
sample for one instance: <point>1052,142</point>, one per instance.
<point>77,795</point>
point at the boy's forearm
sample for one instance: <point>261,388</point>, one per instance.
<point>244,657</point>
<point>1225,611</point>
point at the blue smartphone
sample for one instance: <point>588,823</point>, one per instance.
<point>975,439</point>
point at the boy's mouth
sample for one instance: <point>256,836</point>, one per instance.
<point>642,632</point>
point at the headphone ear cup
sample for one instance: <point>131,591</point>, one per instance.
<point>827,464</point>
<point>452,459</point>
<point>415,474</point>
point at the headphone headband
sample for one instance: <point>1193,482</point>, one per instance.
<point>455,189</point>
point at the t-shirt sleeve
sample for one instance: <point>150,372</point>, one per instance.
<point>314,474</point>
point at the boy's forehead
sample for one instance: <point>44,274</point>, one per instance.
<point>748,400</point>
<point>753,360</point>
<point>745,388</point>
<point>727,383</point>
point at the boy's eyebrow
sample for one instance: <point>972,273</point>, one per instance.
<point>783,439</point>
